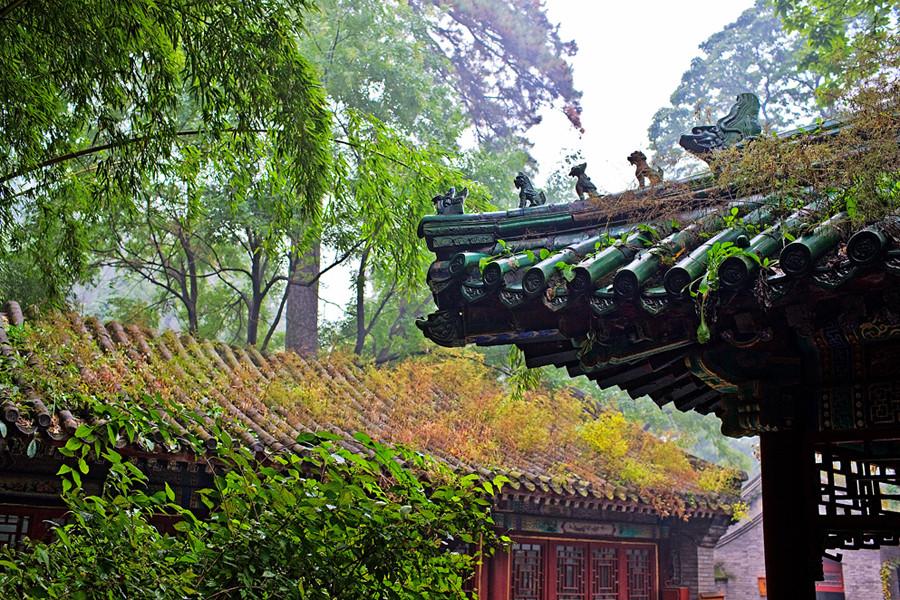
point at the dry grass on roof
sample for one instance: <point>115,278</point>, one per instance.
<point>450,404</point>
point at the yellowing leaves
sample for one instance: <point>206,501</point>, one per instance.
<point>608,435</point>
<point>450,404</point>
<point>633,456</point>
<point>719,480</point>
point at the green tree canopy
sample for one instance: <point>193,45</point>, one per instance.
<point>504,59</point>
<point>100,97</point>
<point>394,143</point>
<point>753,54</point>
<point>845,42</point>
<point>402,115</point>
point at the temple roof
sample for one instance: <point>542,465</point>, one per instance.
<point>55,369</point>
<point>608,287</point>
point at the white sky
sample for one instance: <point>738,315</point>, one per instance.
<point>630,59</point>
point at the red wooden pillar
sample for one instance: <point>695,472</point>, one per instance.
<point>498,576</point>
<point>793,561</point>
<point>622,572</point>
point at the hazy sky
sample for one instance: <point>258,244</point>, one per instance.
<point>630,59</point>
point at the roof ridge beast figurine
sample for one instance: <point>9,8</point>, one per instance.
<point>741,123</point>
<point>450,203</point>
<point>583,184</point>
<point>528,195</point>
<point>644,171</point>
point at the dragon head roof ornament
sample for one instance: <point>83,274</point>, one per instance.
<point>740,124</point>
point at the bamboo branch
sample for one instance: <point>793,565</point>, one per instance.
<point>6,10</point>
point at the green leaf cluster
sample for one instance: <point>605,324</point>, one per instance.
<point>328,524</point>
<point>844,42</point>
<point>709,282</point>
<point>102,99</point>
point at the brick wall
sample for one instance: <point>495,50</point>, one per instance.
<point>862,575</point>
<point>740,553</point>
<point>693,547</point>
<point>685,552</point>
<point>705,560</point>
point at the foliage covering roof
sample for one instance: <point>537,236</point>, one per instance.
<point>62,369</point>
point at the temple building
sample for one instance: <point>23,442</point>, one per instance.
<point>780,317</point>
<point>577,532</point>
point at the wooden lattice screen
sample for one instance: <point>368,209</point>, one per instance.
<point>582,570</point>
<point>528,572</point>
<point>859,494</point>
<point>605,582</point>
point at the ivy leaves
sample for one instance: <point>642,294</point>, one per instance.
<point>31,450</point>
<point>326,524</point>
<point>567,270</point>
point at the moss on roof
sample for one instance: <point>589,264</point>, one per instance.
<point>62,369</point>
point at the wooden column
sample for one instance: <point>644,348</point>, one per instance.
<point>793,560</point>
<point>498,584</point>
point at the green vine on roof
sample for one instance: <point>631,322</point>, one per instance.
<point>567,270</point>
<point>653,235</point>
<point>709,282</point>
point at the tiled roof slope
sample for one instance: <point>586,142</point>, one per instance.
<point>271,398</point>
<point>619,312</point>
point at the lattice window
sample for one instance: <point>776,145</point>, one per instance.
<point>527,572</point>
<point>570,575</point>
<point>605,574</point>
<point>858,481</point>
<point>640,576</point>
<point>13,528</point>
<point>582,570</point>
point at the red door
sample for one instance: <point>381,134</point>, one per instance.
<point>580,570</point>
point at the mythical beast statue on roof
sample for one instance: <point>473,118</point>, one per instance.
<point>740,124</point>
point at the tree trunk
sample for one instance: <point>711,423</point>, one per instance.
<point>256,275</point>
<point>361,329</point>
<point>190,305</point>
<point>253,322</point>
<point>190,287</point>
<point>302,314</point>
<point>395,331</point>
